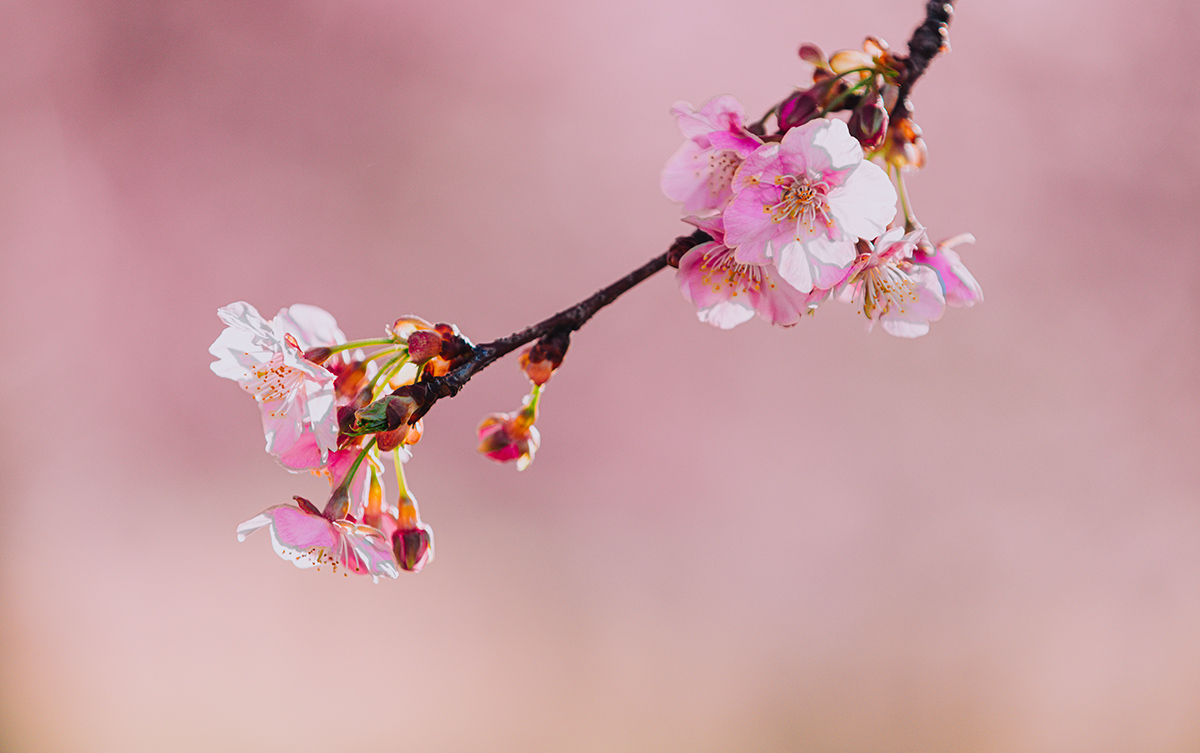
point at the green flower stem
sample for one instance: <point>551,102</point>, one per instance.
<point>401,484</point>
<point>390,368</point>
<point>910,220</point>
<point>361,344</point>
<point>345,486</point>
<point>869,82</point>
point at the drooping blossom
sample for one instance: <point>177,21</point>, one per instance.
<point>716,142</point>
<point>401,524</point>
<point>505,437</point>
<point>727,292</point>
<point>890,289</point>
<point>306,538</point>
<point>958,284</point>
<point>803,202</point>
<point>296,396</point>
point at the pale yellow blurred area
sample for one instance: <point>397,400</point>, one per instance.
<point>811,539</point>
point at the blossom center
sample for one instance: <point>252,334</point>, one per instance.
<point>803,199</point>
<point>722,165</point>
<point>885,286</point>
<point>725,269</point>
<point>274,380</point>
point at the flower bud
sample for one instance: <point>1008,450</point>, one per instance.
<point>318,355</point>
<point>813,55</point>
<point>801,107</point>
<point>868,123</point>
<point>413,546</point>
<point>423,345</point>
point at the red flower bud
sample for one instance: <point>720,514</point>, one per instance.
<point>413,546</point>
<point>801,107</point>
<point>868,123</point>
<point>423,345</point>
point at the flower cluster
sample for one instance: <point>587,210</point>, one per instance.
<point>785,221</point>
<point>320,398</point>
<point>808,213</point>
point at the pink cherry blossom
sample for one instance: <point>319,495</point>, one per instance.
<point>803,202</point>
<point>296,395</point>
<point>727,292</point>
<point>700,172</point>
<point>505,437</point>
<point>306,538</point>
<point>890,289</point>
<point>958,284</point>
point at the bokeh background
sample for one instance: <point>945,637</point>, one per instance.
<point>810,539</point>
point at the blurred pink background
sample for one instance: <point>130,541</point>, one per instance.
<point>760,540</point>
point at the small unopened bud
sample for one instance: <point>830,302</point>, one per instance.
<point>813,55</point>
<point>801,107</point>
<point>423,345</point>
<point>413,546</point>
<point>868,123</point>
<point>318,355</point>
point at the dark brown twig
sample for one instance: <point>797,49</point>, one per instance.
<point>927,41</point>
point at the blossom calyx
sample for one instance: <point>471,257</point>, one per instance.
<point>455,346</point>
<point>387,413</point>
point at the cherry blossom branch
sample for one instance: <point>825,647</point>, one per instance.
<point>429,391</point>
<point>786,221</point>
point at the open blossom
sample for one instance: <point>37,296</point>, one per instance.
<point>505,437</point>
<point>700,172</point>
<point>958,284</point>
<point>803,202</point>
<point>890,289</point>
<point>727,292</point>
<point>306,538</point>
<point>296,396</point>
